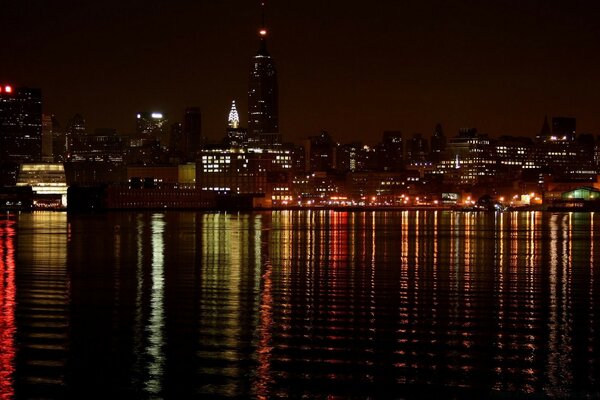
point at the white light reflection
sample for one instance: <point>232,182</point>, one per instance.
<point>156,324</point>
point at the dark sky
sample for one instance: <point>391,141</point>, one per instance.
<point>352,68</point>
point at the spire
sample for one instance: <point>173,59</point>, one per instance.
<point>262,33</point>
<point>545,132</point>
<point>234,119</point>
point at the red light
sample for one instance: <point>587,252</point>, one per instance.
<point>8,89</point>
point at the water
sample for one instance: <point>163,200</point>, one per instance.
<point>299,304</point>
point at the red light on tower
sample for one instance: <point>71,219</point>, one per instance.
<point>8,89</point>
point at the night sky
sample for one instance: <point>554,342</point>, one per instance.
<point>352,68</point>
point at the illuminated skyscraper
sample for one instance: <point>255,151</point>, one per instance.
<point>234,119</point>
<point>236,136</point>
<point>20,124</point>
<point>263,107</point>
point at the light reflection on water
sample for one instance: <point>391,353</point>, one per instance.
<point>312,303</point>
<point>7,308</point>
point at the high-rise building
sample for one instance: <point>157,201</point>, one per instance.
<point>177,143</point>
<point>74,129</point>
<point>192,132</point>
<point>58,141</point>
<point>152,125</point>
<point>320,153</point>
<point>417,150</point>
<point>47,136</point>
<point>438,143</point>
<point>20,124</point>
<point>263,106</point>
<point>390,152</point>
<point>233,121</point>
<point>468,158</point>
<point>563,128</point>
<point>236,135</point>
<point>545,133</point>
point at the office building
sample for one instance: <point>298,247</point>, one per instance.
<point>417,150</point>
<point>563,128</point>
<point>263,106</point>
<point>75,128</point>
<point>320,153</point>
<point>20,124</point>
<point>468,159</point>
<point>390,152</point>
<point>47,138</point>
<point>152,125</point>
<point>438,143</point>
<point>192,133</point>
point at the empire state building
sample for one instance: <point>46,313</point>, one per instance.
<point>263,106</point>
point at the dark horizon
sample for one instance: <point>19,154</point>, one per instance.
<point>351,70</point>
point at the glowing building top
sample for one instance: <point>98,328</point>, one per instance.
<point>234,119</point>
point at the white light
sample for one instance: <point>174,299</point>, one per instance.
<point>157,115</point>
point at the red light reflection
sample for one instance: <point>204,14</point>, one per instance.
<point>7,309</point>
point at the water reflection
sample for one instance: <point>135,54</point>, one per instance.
<point>7,307</point>
<point>311,303</point>
<point>42,312</point>
<point>156,323</point>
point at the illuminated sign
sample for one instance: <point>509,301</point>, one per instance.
<point>157,115</point>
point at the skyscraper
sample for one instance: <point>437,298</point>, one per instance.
<point>74,129</point>
<point>47,136</point>
<point>20,124</point>
<point>192,132</point>
<point>438,143</point>
<point>390,152</point>
<point>564,128</point>
<point>263,106</point>
<point>236,136</point>
<point>417,149</point>
<point>152,125</point>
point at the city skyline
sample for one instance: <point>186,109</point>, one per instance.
<point>350,70</point>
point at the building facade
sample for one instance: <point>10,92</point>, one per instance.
<point>20,124</point>
<point>263,102</point>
